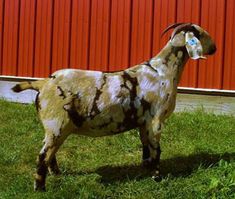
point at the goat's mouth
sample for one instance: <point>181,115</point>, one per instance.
<point>212,50</point>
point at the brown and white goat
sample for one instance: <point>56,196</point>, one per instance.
<point>94,103</point>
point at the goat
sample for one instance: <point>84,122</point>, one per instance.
<point>94,103</point>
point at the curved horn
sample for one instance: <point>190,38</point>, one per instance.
<point>186,26</point>
<point>171,27</point>
<point>179,27</point>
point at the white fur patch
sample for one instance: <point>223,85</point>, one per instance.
<point>114,88</point>
<point>148,70</point>
<point>162,69</point>
<point>53,125</point>
<point>147,86</point>
<point>156,61</point>
<point>101,105</point>
<point>97,77</point>
<point>44,103</point>
<point>68,73</point>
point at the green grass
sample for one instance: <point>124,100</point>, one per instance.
<point>197,161</point>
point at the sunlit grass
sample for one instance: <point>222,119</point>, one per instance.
<point>197,159</point>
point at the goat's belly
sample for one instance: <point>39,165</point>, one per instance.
<point>98,128</point>
<point>91,132</point>
<point>105,124</point>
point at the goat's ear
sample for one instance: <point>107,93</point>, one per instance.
<point>193,46</point>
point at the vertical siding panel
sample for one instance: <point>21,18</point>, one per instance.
<point>80,34</point>
<point>141,33</point>
<point>127,32</point>
<point>43,38</point>
<point>210,71</point>
<point>10,44</point>
<point>60,54</point>
<point>26,38</point>
<point>111,35</point>
<point>115,31</point>
<point>134,33</point>
<point>93,30</point>
<point>22,32</point>
<point>189,11</point>
<point>148,29</point>
<point>76,16</point>
<point>141,43</point>
<point>164,15</point>
<point>229,64</point>
<point>99,35</point>
<point>106,34</point>
<point>1,32</point>
<point>120,34</point>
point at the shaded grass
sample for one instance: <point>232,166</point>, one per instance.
<point>197,159</point>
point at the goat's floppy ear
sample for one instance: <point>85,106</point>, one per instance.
<point>193,46</point>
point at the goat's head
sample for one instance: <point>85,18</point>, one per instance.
<point>196,40</point>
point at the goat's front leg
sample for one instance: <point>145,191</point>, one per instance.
<point>146,159</point>
<point>53,166</point>
<point>151,147</point>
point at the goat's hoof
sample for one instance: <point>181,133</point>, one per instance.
<point>147,163</point>
<point>55,172</point>
<point>157,177</point>
<point>39,187</point>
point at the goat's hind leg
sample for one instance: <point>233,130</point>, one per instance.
<point>45,160</point>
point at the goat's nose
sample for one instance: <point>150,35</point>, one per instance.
<point>212,50</point>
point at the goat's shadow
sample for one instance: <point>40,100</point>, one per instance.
<point>181,166</point>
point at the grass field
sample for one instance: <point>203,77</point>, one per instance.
<point>198,160</point>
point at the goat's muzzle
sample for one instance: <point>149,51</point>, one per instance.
<point>212,50</point>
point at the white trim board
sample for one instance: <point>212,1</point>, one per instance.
<point>185,101</point>
<point>188,90</point>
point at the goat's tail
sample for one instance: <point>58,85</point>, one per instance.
<point>35,85</point>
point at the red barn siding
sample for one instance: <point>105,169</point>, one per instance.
<point>38,37</point>
<point>229,50</point>
<point>189,11</point>
<point>26,38</point>
<point>11,37</point>
<point>164,15</point>
<point>99,35</point>
<point>43,38</point>
<point>120,29</point>
<point>141,35</point>
<point>1,32</point>
<point>80,33</point>
<point>61,34</point>
<point>213,19</point>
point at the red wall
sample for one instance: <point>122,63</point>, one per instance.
<point>38,37</point>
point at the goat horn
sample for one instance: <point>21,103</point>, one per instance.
<point>171,27</point>
<point>178,28</point>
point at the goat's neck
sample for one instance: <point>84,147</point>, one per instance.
<point>170,61</point>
